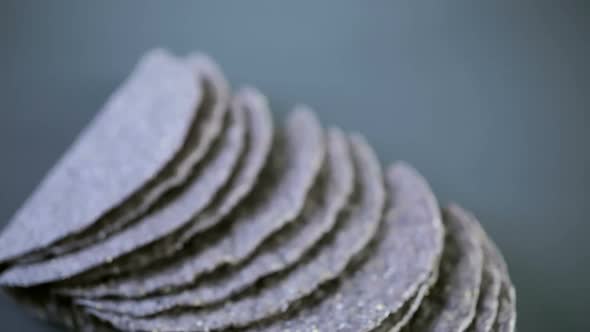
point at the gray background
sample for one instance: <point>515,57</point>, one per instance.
<point>490,102</point>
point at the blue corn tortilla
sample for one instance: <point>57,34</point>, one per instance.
<point>138,131</point>
<point>366,296</point>
<point>276,201</point>
<point>208,180</point>
<point>356,229</point>
<point>205,130</point>
<point>505,318</point>
<point>325,203</point>
<point>451,304</point>
<point>258,143</point>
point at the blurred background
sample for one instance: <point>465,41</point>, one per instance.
<point>489,101</point>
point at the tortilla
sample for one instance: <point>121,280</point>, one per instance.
<point>278,200</point>
<point>283,250</point>
<point>261,134</point>
<point>487,304</point>
<point>258,144</point>
<point>451,304</point>
<point>207,181</point>
<point>206,128</point>
<point>399,319</point>
<point>402,317</point>
<point>366,296</point>
<point>358,227</point>
<point>383,293</point>
<point>137,132</point>
<point>506,315</point>
<point>506,319</point>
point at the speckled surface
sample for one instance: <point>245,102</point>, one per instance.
<point>254,157</point>
<point>323,205</point>
<point>285,236</point>
<point>451,304</point>
<point>145,121</point>
<point>398,320</point>
<point>487,304</point>
<point>296,162</point>
<point>357,228</point>
<point>410,245</point>
<point>205,130</point>
<point>488,99</point>
<point>506,318</point>
<point>209,178</point>
<point>506,315</point>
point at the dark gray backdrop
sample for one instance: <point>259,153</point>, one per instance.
<point>490,102</point>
